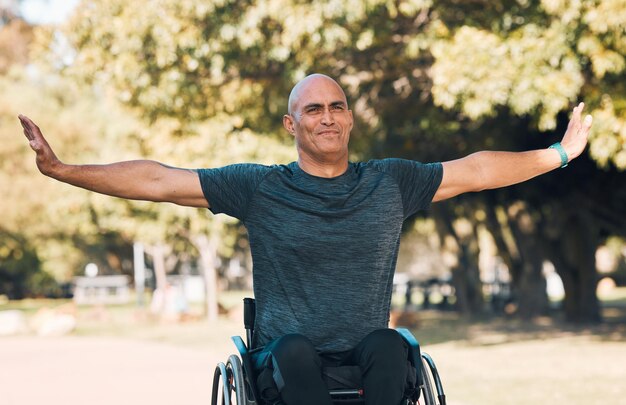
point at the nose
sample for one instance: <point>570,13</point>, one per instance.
<point>327,117</point>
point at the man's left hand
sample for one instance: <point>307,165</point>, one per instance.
<point>575,138</point>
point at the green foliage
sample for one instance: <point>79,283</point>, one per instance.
<point>56,219</point>
<point>21,274</point>
<point>194,60</point>
<point>532,71</point>
<point>14,41</point>
<point>564,51</point>
<point>207,85</point>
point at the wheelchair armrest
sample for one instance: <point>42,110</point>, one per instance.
<point>415,355</point>
<point>241,346</point>
<point>246,362</point>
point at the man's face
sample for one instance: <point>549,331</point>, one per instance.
<point>319,119</point>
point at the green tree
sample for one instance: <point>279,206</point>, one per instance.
<point>21,274</point>
<point>427,80</point>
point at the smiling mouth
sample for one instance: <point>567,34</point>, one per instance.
<point>328,132</point>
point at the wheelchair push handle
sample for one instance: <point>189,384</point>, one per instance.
<point>249,310</point>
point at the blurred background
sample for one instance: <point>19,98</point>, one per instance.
<point>514,290</point>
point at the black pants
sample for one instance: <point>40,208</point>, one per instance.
<point>293,365</point>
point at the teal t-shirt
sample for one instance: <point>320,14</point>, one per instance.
<point>324,250</point>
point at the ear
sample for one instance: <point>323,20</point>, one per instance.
<point>288,123</point>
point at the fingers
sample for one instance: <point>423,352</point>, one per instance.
<point>31,130</point>
<point>577,122</point>
<point>577,133</point>
<point>574,122</point>
<point>579,108</point>
<point>28,122</point>
<point>587,122</point>
<point>577,113</point>
<point>26,125</point>
<point>33,133</point>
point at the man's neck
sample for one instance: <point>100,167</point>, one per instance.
<point>323,169</point>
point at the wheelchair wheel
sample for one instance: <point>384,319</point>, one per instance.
<point>222,387</point>
<point>237,381</point>
<point>428,389</point>
<point>431,377</point>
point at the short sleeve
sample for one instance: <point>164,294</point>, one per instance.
<point>418,182</point>
<point>230,189</point>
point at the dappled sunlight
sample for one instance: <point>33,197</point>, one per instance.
<point>518,292</point>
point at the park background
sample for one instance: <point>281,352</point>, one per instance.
<point>526,285</point>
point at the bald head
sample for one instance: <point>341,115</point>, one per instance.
<point>320,122</point>
<point>303,85</point>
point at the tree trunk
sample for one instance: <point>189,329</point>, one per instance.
<point>157,252</point>
<point>207,247</point>
<point>529,283</point>
<point>466,280</point>
<point>466,273</point>
<point>573,255</point>
<point>158,258</point>
<point>507,250</point>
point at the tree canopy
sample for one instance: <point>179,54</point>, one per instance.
<point>206,83</point>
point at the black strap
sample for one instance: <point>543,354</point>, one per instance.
<point>339,379</point>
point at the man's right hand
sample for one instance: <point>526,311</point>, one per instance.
<point>46,159</point>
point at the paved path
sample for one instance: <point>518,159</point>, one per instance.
<point>103,371</point>
<point>78,370</point>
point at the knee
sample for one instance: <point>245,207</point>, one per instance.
<point>385,336</point>
<point>386,339</point>
<point>294,346</point>
<point>385,346</point>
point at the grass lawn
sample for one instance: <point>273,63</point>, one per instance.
<point>495,361</point>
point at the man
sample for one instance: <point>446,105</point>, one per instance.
<point>324,234</point>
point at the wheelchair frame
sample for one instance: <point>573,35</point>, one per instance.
<point>232,382</point>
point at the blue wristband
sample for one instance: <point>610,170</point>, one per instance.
<point>557,146</point>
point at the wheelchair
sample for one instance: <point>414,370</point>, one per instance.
<point>234,381</point>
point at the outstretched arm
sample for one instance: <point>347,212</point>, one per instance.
<point>136,180</point>
<point>487,170</point>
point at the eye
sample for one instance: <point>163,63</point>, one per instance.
<point>337,107</point>
<point>314,110</point>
